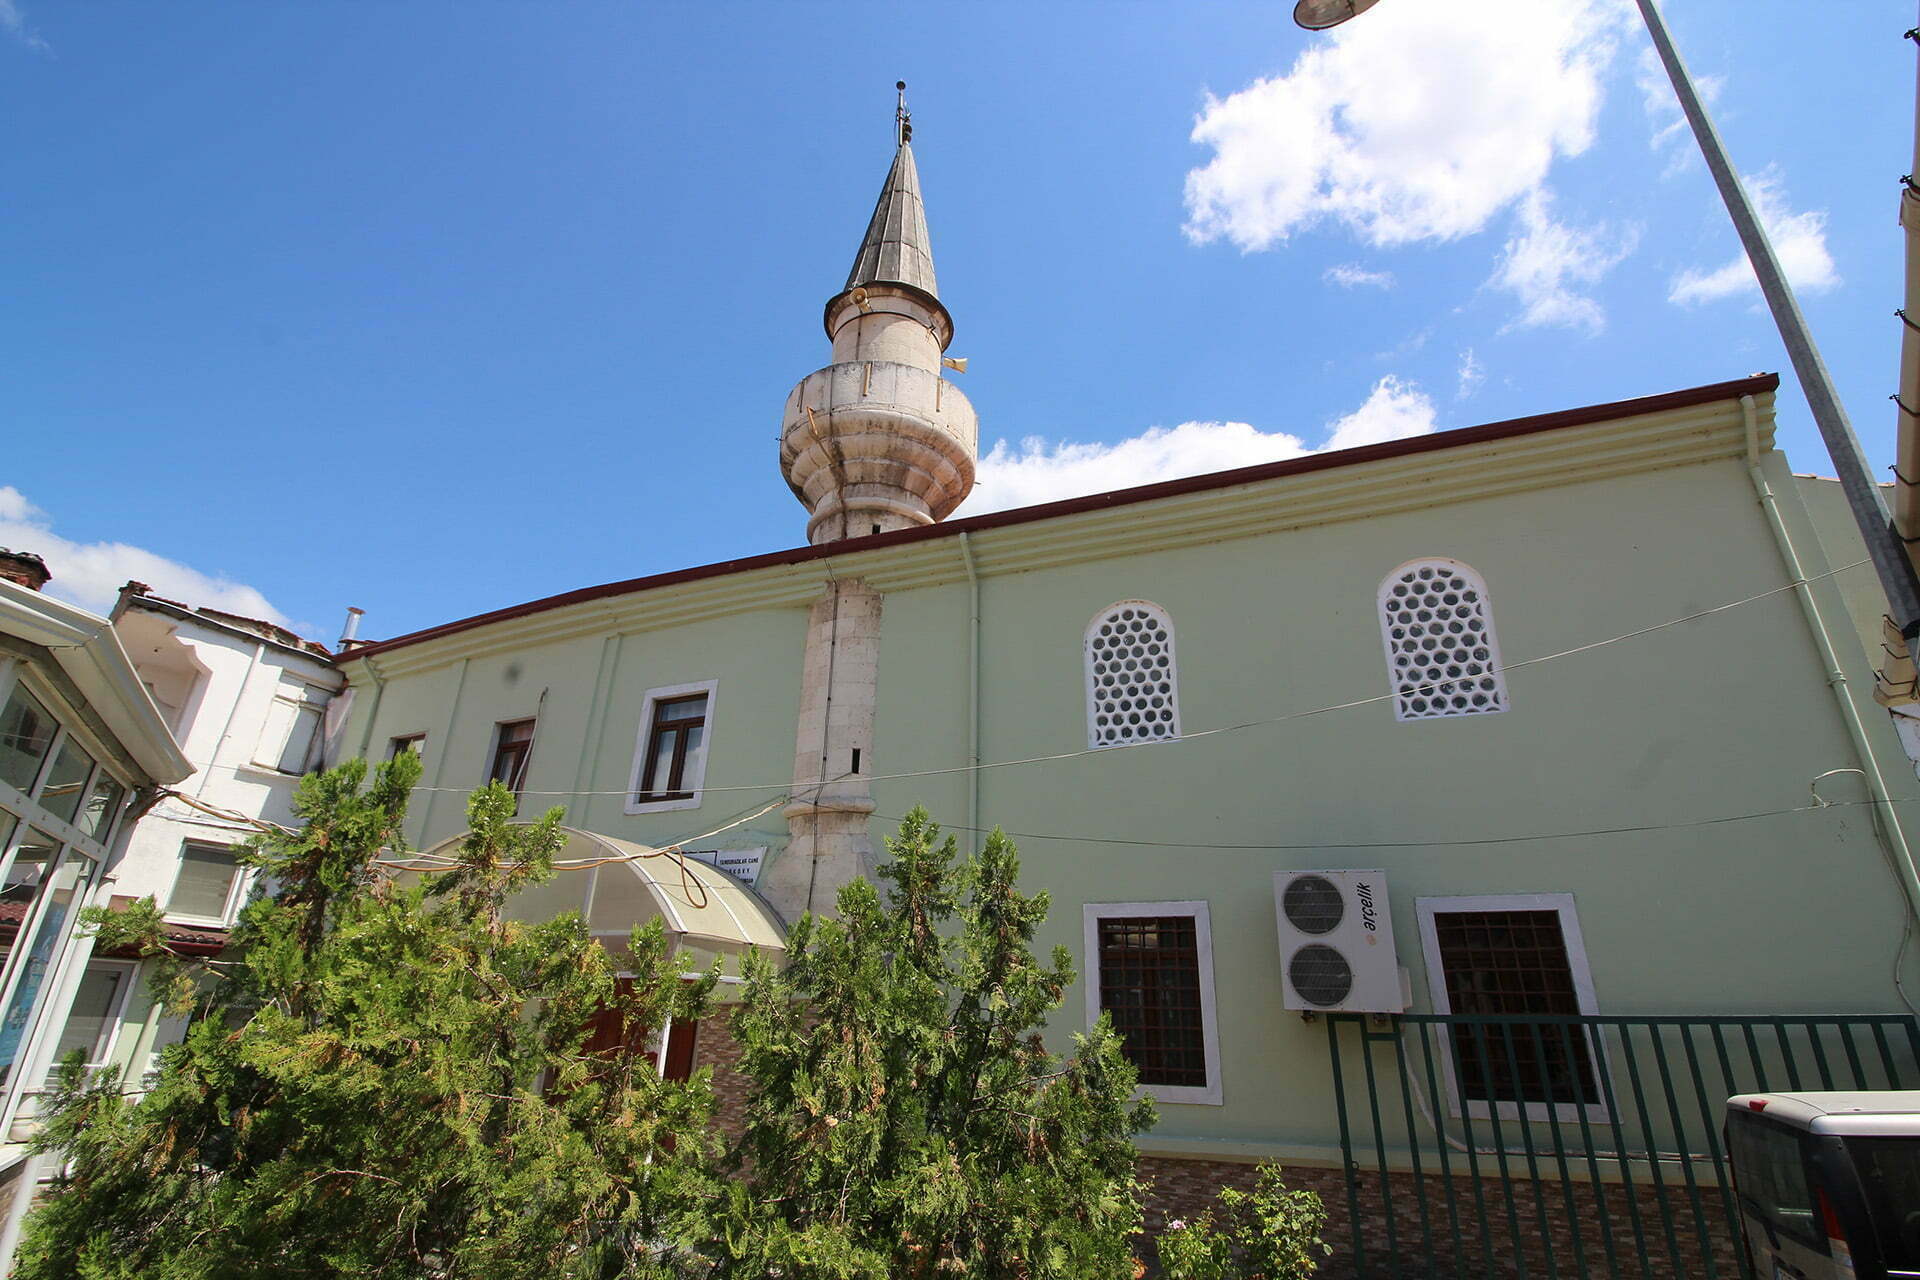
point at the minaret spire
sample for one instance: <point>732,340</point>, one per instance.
<point>879,440</point>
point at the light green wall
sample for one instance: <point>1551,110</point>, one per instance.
<point>1725,716</point>
<point>1839,538</point>
<point>579,752</point>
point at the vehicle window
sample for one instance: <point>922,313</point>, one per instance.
<point>1771,1173</point>
<point>1889,1171</point>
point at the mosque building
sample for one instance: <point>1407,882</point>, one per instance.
<point>1328,764</point>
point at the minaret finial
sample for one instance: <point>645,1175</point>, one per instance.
<point>902,118</point>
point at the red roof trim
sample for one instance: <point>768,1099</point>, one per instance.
<point>1438,441</point>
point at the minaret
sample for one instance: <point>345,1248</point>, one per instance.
<point>878,440</point>
<point>875,441</point>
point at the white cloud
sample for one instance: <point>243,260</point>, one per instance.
<point>90,574</point>
<point>13,21</point>
<point>1472,374</point>
<point>1038,471</point>
<point>1799,242</point>
<point>1545,259</point>
<point>1417,124</point>
<point>1351,275</point>
<point>1669,123</point>
<point>1394,411</point>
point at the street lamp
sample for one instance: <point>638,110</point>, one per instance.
<point>1884,544</point>
<point>1318,15</point>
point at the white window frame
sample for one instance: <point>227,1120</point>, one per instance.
<point>1092,913</point>
<point>1165,619</point>
<point>116,1015</point>
<point>303,697</point>
<point>1561,904</point>
<point>236,889</point>
<point>1497,664</point>
<point>696,776</point>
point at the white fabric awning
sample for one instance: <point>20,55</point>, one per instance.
<point>617,884</point>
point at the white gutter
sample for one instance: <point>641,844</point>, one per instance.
<point>233,709</point>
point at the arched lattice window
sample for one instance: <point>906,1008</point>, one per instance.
<point>1132,694</point>
<point>1441,653</point>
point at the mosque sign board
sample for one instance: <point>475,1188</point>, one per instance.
<point>742,864</point>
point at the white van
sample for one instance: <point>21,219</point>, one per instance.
<point>1828,1183</point>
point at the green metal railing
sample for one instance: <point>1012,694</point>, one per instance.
<point>1570,1146</point>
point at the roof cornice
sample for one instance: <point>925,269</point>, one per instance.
<point>91,656</point>
<point>1596,442</point>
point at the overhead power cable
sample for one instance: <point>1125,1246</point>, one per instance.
<point>1351,704</point>
<point>1420,844</point>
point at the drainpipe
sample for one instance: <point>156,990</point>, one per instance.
<point>373,711</point>
<point>1893,838</point>
<point>973,693</point>
<point>233,709</point>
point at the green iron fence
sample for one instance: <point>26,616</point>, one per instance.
<point>1569,1146</point>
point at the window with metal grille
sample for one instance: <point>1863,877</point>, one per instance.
<point>1132,691</point>
<point>1441,654</point>
<point>1150,986</point>
<point>1503,963</point>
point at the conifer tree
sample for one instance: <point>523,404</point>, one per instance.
<point>386,1079</point>
<point>904,1117</point>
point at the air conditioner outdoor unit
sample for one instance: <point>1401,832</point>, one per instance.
<point>1336,942</point>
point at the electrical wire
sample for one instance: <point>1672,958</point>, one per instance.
<point>1425,844</point>
<point>1195,735</point>
<point>419,860</point>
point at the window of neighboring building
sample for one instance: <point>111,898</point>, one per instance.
<point>46,928</point>
<point>1132,693</point>
<point>65,787</point>
<point>1150,969</point>
<point>103,805</point>
<point>1506,956</point>
<point>1442,657</point>
<point>95,1013</point>
<point>26,737</point>
<point>291,728</point>
<point>512,744</point>
<point>208,883</point>
<point>670,758</point>
<point>414,742</point>
<point>58,811</point>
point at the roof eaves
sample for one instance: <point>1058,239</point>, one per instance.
<point>1435,442</point>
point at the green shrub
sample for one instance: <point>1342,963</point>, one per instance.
<point>1269,1233</point>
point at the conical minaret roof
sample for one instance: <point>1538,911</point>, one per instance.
<point>897,249</point>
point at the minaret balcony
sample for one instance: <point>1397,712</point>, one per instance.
<point>874,435</point>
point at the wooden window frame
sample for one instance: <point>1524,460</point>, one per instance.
<point>1211,1093</point>
<point>688,795</point>
<point>1563,905</point>
<point>515,780</point>
<point>400,742</point>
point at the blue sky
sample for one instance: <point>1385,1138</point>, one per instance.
<point>433,308</point>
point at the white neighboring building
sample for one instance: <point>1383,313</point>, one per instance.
<point>83,750</point>
<point>249,704</point>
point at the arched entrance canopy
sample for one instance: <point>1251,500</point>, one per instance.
<point>617,884</point>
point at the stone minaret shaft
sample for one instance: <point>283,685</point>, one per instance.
<point>876,441</point>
